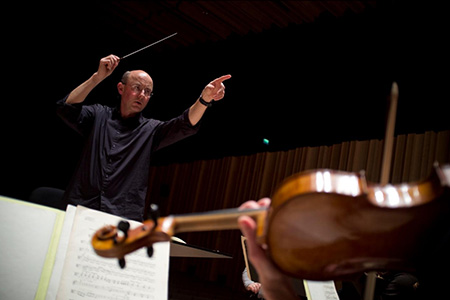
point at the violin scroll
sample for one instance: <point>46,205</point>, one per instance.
<point>117,241</point>
<point>106,233</point>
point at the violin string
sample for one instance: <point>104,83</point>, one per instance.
<point>152,44</point>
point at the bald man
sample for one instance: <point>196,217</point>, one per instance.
<point>112,174</point>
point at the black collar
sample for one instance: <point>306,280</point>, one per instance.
<point>131,121</point>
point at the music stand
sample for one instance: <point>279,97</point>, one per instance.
<point>178,248</point>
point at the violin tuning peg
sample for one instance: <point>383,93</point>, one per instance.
<point>122,262</point>
<point>154,213</point>
<point>150,251</point>
<point>124,226</point>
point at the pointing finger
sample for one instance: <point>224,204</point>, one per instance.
<point>222,78</point>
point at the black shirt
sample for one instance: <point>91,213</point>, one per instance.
<point>112,174</point>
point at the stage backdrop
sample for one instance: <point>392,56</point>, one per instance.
<point>206,185</point>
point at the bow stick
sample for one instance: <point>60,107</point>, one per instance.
<point>385,171</point>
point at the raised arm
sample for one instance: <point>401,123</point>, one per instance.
<point>105,68</point>
<point>215,90</point>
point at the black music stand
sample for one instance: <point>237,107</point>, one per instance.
<point>178,248</point>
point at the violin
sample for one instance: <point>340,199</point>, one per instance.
<point>321,224</point>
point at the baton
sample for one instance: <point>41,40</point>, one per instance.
<point>152,44</point>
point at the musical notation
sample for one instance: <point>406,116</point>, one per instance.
<point>88,276</point>
<point>321,290</point>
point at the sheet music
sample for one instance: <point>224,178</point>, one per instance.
<point>26,231</point>
<point>61,253</point>
<point>321,290</point>
<point>89,276</point>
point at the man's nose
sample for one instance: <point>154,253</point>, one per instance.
<point>142,93</point>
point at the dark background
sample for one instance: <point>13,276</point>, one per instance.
<point>308,84</point>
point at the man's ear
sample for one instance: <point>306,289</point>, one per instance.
<point>120,88</point>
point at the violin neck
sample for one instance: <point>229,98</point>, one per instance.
<point>214,220</point>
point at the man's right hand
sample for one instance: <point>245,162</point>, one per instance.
<point>106,66</point>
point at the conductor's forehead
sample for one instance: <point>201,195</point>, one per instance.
<point>141,77</point>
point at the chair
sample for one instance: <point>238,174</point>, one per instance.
<point>48,196</point>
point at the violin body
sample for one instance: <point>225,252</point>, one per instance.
<point>321,225</point>
<point>325,224</point>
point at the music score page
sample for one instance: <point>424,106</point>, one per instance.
<point>86,275</point>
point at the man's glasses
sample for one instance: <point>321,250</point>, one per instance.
<point>136,88</point>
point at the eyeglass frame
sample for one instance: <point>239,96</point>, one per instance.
<point>137,89</point>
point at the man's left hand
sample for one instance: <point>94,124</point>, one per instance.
<point>215,90</point>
